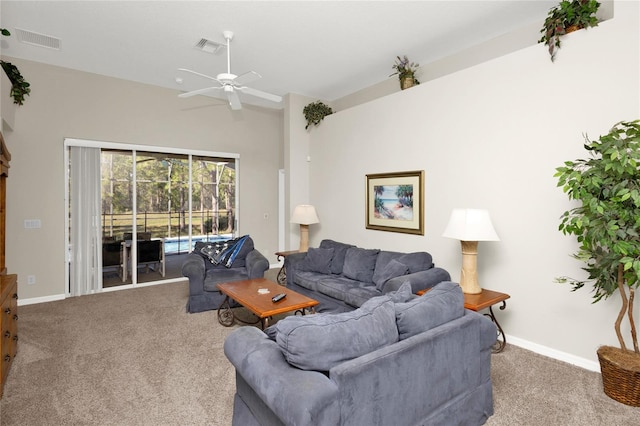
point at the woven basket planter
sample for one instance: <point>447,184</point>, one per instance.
<point>620,374</point>
<point>407,82</point>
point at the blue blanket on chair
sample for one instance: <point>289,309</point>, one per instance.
<point>224,252</point>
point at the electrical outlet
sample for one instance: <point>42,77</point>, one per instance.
<point>31,279</point>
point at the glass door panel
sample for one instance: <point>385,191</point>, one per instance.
<point>117,216</point>
<point>214,192</point>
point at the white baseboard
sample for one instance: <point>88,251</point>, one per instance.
<point>554,353</point>
<point>43,299</point>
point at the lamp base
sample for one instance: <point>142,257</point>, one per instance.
<point>304,238</point>
<point>469,273</point>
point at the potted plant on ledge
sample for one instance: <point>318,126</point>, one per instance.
<point>406,72</point>
<point>19,87</point>
<point>607,226</point>
<point>567,17</point>
<point>315,112</point>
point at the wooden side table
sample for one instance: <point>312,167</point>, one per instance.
<point>483,300</point>
<point>282,274</point>
<point>486,299</point>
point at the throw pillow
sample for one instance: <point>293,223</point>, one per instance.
<point>359,264</point>
<point>443,303</point>
<point>418,261</point>
<point>403,294</point>
<point>318,260</point>
<point>321,341</point>
<point>391,270</point>
<point>339,251</point>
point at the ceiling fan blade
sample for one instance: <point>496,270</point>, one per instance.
<point>246,78</point>
<point>260,94</point>
<point>198,92</point>
<point>234,100</point>
<point>198,74</point>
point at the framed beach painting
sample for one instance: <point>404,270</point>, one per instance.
<point>395,202</point>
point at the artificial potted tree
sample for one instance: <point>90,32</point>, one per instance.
<point>566,17</point>
<point>315,112</point>
<point>607,226</point>
<point>406,72</point>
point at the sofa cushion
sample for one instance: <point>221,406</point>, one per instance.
<point>339,251</point>
<point>318,260</point>
<point>443,303</point>
<point>357,295</point>
<point>418,261</point>
<point>390,270</point>
<point>359,264</point>
<point>336,286</point>
<point>321,341</point>
<point>308,280</point>
<point>214,277</point>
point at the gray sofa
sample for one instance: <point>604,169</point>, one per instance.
<point>204,275</point>
<point>342,277</point>
<point>397,360</point>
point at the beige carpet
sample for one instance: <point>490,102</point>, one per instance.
<point>135,357</point>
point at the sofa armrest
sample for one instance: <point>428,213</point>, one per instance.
<point>291,263</point>
<point>419,280</point>
<point>194,269</point>
<point>295,396</point>
<point>256,264</point>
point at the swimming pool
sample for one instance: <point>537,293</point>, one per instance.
<point>176,245</point>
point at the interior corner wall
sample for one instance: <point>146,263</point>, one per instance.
<point>490,136</point>
<point>297,160</point>
<point>65,103</point>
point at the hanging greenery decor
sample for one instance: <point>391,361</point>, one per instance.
<point>315,112</point>
<point>566,17</point>
<point>19,87</point>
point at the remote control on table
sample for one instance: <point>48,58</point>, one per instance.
<point>278,297</point>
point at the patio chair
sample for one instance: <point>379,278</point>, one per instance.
<point>112,256</point>
<point>128,236</point>
<point>151,252</point>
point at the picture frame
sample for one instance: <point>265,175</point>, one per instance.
<point>395,202</point>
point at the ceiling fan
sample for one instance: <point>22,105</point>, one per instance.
<point>230,83</point>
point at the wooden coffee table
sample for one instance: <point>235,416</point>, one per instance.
<point>255,295</point>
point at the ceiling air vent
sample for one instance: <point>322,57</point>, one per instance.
<point>36,39</point>
<point>209,46</point>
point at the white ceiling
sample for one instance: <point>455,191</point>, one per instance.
<point>320,49</point>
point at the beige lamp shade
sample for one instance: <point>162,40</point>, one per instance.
<point>304,215</point>
<point>470,226</point>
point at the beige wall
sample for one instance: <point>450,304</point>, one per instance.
<point>490,136</point>
<point>72,104</point>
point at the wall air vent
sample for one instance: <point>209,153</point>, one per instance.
<point>209,46</point>
<point>36,39</point>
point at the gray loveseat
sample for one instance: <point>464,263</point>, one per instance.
<point>397,360</point>
<point>342,276</point>
<point>204,275</point>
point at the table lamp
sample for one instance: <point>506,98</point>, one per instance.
<point>305,215</point>
<point>470,226</point>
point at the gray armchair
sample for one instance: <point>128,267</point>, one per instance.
<point>204,275</point>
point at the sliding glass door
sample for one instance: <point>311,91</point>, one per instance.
<point>155,206</point>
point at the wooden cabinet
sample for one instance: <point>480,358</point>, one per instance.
<point>8,283</point>
<point>8,324</point>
